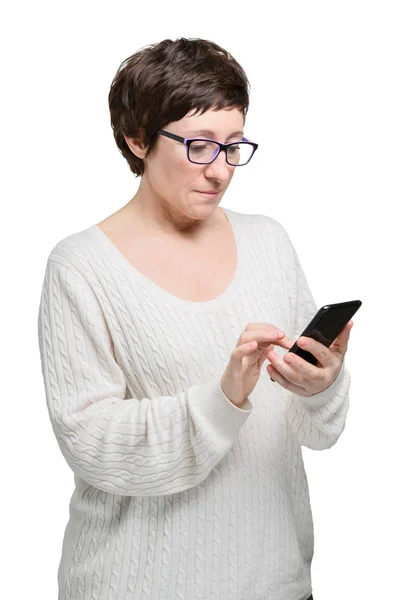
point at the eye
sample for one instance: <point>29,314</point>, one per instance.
<point>196,146</point>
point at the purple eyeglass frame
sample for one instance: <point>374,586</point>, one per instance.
<point>188,141</point>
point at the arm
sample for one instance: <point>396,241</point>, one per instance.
<point>131,446</point>
<point>316,421</point>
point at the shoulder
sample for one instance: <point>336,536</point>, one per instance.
<point>73,255</point>
<point>262,226</point>
<point>72,250</point>
<point>267,223</point>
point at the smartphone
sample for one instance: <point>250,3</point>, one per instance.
<point>327,324</point>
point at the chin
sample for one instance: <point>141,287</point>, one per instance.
<point>207,208</point>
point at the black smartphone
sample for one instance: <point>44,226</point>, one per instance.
<point>327,324</point>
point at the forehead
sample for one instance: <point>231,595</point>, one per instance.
<point>209,133</point>
<point>213,123</point>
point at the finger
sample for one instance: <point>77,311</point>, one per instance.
<point>283,342</point>
<point>294,368</point>
<point>243,350</point>
<point>262,337</point>
<point>267,328</point>
<point>262,358</point>
<point>321,352</point>
<point>288,385</point>
<point>286,343</point>
<point>301,366</point>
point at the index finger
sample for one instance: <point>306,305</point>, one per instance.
<point>281,340</point>
<point>284,342</point>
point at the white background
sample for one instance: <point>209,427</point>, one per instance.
<point>324,108</point>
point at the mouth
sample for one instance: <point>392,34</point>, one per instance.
<point>210,193</point>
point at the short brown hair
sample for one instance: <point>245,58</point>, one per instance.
<point>162,82</point>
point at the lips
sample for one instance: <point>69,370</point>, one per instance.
<point>209,191</point>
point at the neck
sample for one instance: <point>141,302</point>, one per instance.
<point>164,220</point>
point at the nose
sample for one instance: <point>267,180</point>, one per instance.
<point>219,167</point>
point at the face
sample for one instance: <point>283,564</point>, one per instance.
<point>170,180</point>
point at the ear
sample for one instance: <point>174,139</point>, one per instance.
<point>136,146</point>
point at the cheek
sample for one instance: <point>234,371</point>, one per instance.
<point>181,173</point>
<point>169,178</point>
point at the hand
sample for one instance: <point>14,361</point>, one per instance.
<point>301,377</point>
<point>243,370</point>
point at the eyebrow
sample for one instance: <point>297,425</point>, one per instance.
<point>210,133</point>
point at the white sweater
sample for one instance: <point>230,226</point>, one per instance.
<point>179,494</point>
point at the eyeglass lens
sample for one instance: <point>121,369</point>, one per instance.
<point>204,152</point>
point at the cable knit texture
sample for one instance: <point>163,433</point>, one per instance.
<point>179,494</point>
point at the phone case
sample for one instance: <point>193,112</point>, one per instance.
<point>326,325</point>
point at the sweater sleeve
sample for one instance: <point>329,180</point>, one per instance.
<point>316,421</point>
<point>128,446</point>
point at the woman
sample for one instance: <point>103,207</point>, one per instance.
<point>154,326</point>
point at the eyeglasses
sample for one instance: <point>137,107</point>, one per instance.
<point>203,151</point>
